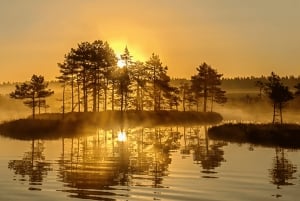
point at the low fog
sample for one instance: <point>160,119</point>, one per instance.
<point>249,107</point>
<point>242,106</point>
<point>15,109</point>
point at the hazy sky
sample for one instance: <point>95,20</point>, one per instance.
<point>237,37</point>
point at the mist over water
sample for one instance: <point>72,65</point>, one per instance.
<point>255,114</point>
<point>12,109</point>
<point>147,163</point>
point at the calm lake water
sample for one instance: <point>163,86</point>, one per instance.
<point>166,163</point>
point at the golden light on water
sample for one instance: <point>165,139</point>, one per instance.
<point>122,136</point>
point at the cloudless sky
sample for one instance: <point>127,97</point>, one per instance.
<point>238,38</point>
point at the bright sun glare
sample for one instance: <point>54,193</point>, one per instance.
<point>120,63</point>
<point>122,136</point>
<point>119,46</point>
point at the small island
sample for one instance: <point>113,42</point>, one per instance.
<point>282,135</point>
<point>98,89</point>
<point>276,133</point>
<point>53,126</point>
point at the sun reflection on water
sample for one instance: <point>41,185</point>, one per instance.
<point>122,136</point>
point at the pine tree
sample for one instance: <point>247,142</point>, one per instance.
<point>278,94</point>
<point>33,92</point>
<point>205,83</point>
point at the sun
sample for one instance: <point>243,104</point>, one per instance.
<point>118,45</point>
<point>121,63</point>
<point>122,136</point>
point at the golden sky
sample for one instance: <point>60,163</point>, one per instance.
<point>239,38</point>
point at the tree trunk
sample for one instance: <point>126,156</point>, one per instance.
<point>98,100</point>
<point>183,100</point>
<point>94,96</point>
<point>63,101</point>
<point>142,100</point>
<point>138,97</point>
<point>204,99</point>
<point>212,103</point>
<point>85,95</point>
<point>33,107</point>
<point>159,100</point>
<point>105,95</point>
<point>274,112</point>
<point>113,96</point>
<point>280,110</point>
<point>78,91</point>
<point>39,105</point>
<point>122,96</point>
<point>125,100</point>
<point>154,89</point>
<point>72,93</point>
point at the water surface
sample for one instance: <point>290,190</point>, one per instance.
<point>166,163</point>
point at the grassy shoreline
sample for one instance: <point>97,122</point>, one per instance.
<point>53,126</point>
<point>282,135</point>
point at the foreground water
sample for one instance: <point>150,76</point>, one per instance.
<point>169,163</point>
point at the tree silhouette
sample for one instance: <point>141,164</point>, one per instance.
<point>33,165</point>
<point>205,84</point>
<point>209,155</point>
<point>125,78</point>
<point>69,70</point>
<point>34,92</point>
<point>278,94</point>
<point>127,57</point>
<point>91,65</point>
<point>173,98</point>
<point>123,82</point>
<point>159,78</point>
<point>183,90</point>
<point>282,169</point>
<point>261,86</point>
<point>139,80</point>
<point>218,96</point>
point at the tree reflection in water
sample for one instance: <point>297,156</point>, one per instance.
<point>208,154</point>
<point>105,165</point>
<point>100,167</point>
<point>32,165</point>
<point>283,170</point>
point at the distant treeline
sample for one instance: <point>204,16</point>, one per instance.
<point>249,82</point>
<point>237,83</point>
<point>227,83</point>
